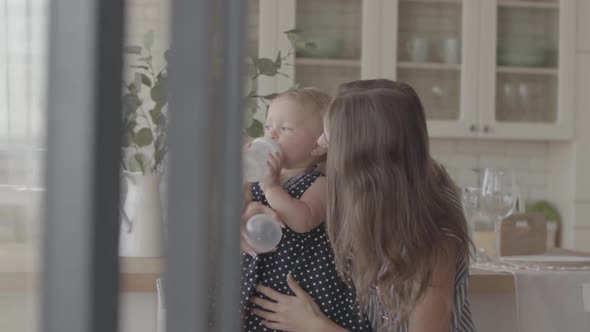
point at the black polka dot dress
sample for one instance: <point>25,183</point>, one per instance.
<point>309,258</point>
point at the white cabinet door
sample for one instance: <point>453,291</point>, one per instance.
<point>334,32</point>
<point>433,46</point>
<point>526,81</point>
<point>487,69</point>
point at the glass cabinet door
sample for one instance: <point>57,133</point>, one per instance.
<point>429,54</point>
<point>527,57</point>
<point>527,54</point>
<point>330,49</point>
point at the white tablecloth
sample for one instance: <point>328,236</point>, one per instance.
<point>551,301</point>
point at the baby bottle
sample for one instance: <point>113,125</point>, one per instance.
<point>255,158</point>
<point>263,233</point>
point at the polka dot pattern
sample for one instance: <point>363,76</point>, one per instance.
<point>309,258</point>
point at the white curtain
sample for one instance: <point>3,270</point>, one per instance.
<point>23,39</point>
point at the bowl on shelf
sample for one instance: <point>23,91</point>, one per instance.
<point>524,57</point>
<point>320,48</point>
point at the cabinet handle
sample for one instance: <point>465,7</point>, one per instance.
<point>486,129</point>
<point>473,128</point>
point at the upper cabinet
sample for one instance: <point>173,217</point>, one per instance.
<point>494,69</point>
<point>527,69</point>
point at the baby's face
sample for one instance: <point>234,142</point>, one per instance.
<point>294,129</point>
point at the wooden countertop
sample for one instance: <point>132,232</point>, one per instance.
<point>19,272</point>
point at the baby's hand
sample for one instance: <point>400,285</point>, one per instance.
<point>272,175</point>
<point>252,209</point>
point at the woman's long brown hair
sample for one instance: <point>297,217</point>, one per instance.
<point>392,210</point>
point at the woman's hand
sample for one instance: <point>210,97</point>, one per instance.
<point>254,208</point>
<point>289,313</point>
<point>272,175</point>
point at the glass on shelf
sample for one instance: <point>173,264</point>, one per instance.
<point>528,36</point>
<point>439,91</point>
<point>430,32</point>
<point>526,98</point>
<point>253,18</point>
<point>333,26</point>
<point>330,49</point>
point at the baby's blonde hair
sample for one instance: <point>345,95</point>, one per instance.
<point>310,98</point>
<point>315,101</point>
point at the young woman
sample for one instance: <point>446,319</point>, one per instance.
<point>394,220</point>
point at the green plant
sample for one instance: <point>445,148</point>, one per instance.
<point>145,112</point>
<point>268,67</point>
<point>549,210</point>
<point>145,103</point>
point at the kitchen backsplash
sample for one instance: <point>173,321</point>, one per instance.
<point>463,158</point>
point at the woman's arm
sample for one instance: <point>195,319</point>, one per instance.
<point>434,311</point>
<point>297,313</point>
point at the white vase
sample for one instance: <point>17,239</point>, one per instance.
<point>141,229</point>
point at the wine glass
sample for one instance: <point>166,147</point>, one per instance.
<point>498,198</point>
<point>498,192</point>
<point>470,200</point>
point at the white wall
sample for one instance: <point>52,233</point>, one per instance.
<point>580,203</point>
<point>463,158</point>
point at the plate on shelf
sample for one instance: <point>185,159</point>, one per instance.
<point>525,57</point>
<point>525,60</point>
<point>320,48</point>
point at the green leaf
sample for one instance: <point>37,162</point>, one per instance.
<point>137,82</point>
<point>294,37</point>
<point>141,161</point>
<point>156,114</point>
<point>134,165</point>
<point>251,66</point>
<point>126,139</point>
<point>157,155</point>
<point>132,88</point>
<point>143,137</point>
<point>255,130</point>
<point>266,67</point>
<point>139,67</point>
<point>248,118</point>
<point>146,80</point>
<point>130,124</point>
<point>130,104</point>
<point>162,122</point>
<point>270,96</point>
<point>159,92</point>
<point>133,49</point>
<point>148,40</point>
<point>161,140</point>
<point>251,107</point>
<point>311,45</point>
<point>278,60</point>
